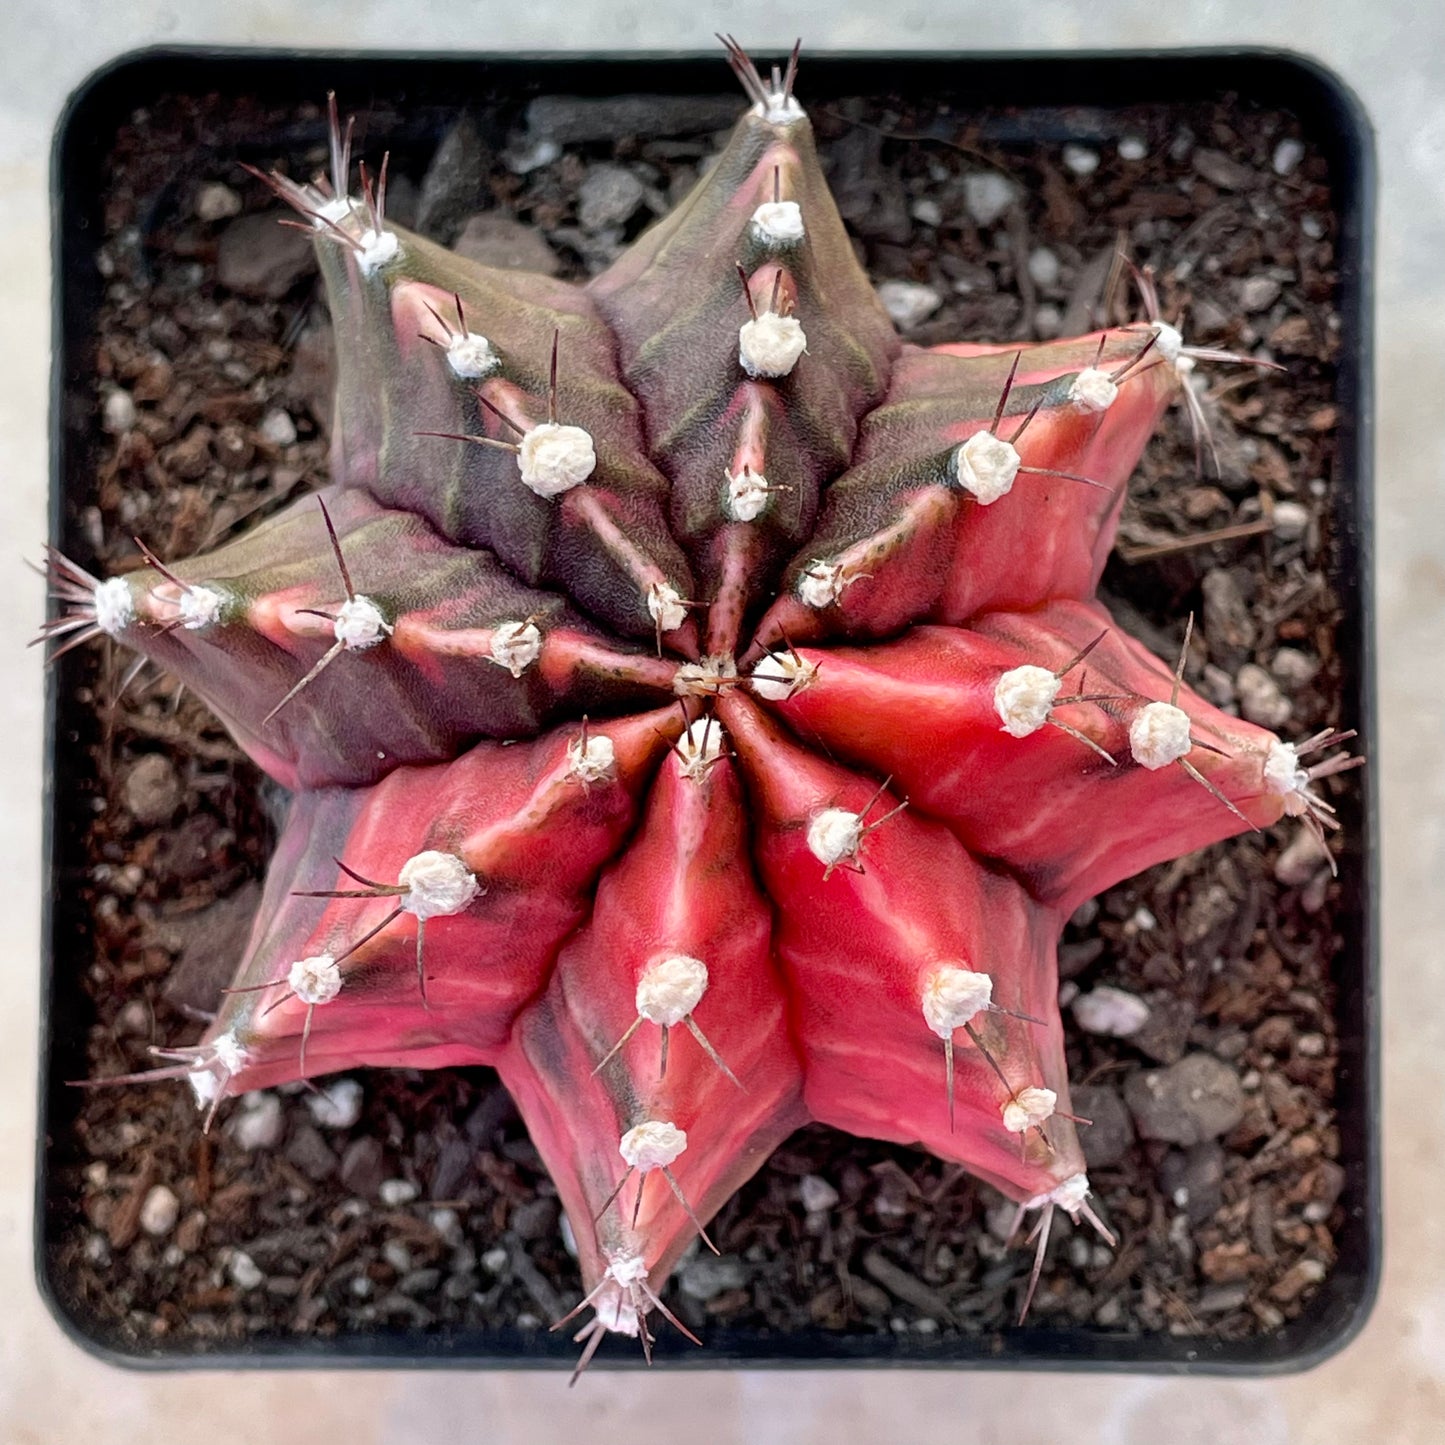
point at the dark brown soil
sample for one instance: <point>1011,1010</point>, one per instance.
<point>432,1209</point>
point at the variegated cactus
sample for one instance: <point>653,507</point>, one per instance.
<point>695,705</point>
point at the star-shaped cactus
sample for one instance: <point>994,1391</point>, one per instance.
<point>695,704</point>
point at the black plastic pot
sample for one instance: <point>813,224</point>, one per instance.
<point>1065,95</point>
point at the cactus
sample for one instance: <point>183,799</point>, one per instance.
<point>695,705</point>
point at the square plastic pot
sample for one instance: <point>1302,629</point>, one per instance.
<point>1060,93</point>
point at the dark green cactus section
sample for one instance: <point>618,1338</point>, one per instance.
<point>396,388</point>
<point>676,302</point>
<point>435,680</point>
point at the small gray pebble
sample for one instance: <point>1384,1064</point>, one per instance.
<point>1287,155</point>
<point>1291,520</point>
<point>278,428</point>
<point>987,195</point>
<point>337,1105</point>
<point>496,239</point>
<point>308,1151</point>
<point>1258,293</point>
<point>260,1123</point>
<point>1196,1099</point>
<point>816,1193</point>
<point>259,257</point>
<point>152,789</point>
<point>1112,1012</point>
<point>705,1276</point>
<point>1081,160</point>
<point>1194,1179</point>
<point>1293,667</point>
<point>118,413</point>
<point>395,1192</point>
<point>908,303</point>
<point>216,202</point>
<point>608,196</point>
<point>159,1211</point>
<point>244,1272</point>
<point>1044,266</point>
<point>535,1219</point>
<point>1110,1131</point>
<point>361,1166</point>
<point>1260,698</point>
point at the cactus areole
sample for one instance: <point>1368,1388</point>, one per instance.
<point>695,705</point>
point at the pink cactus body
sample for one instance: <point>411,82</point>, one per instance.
<point>696,705</point>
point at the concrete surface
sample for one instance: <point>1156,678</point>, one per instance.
<point>1387,1387</point>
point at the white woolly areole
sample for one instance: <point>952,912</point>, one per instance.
<point>592,762</point>
<point>199,607</point>
<point>1283,775</point>
<point>336,210</point>
<point>554,458</point>
<point>1159,735</point>
<point>1169,343</point>
<point>229,1051</point>
<point>985,466</point>
<point>778,223</point>
<point>1027,1108</point>
<point>747,495</point>
<point>471,355</point>
<point>700,747</point>
<point>377,248</point>
<point>1093,390</point>
<point>779,675</point>
<point>670,988</point>
<point>615,1311</point>
<point>771,344</point>
<point>780,109</point>
<point>114,606</point>
<point>516,646</point>
<point>953,996</point>
<point>1023,698</point>
<point>665,605</point>
<point>1071,1194</point>
<point>359,624</point>
<point>834,834</point>
<point>626,1269</point>
<point>822,584</point>
<point>703,679</point>
<point>220,1058</point>
<point>315,980</point>
<point>440,883</point>
<point>654,1144</point>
